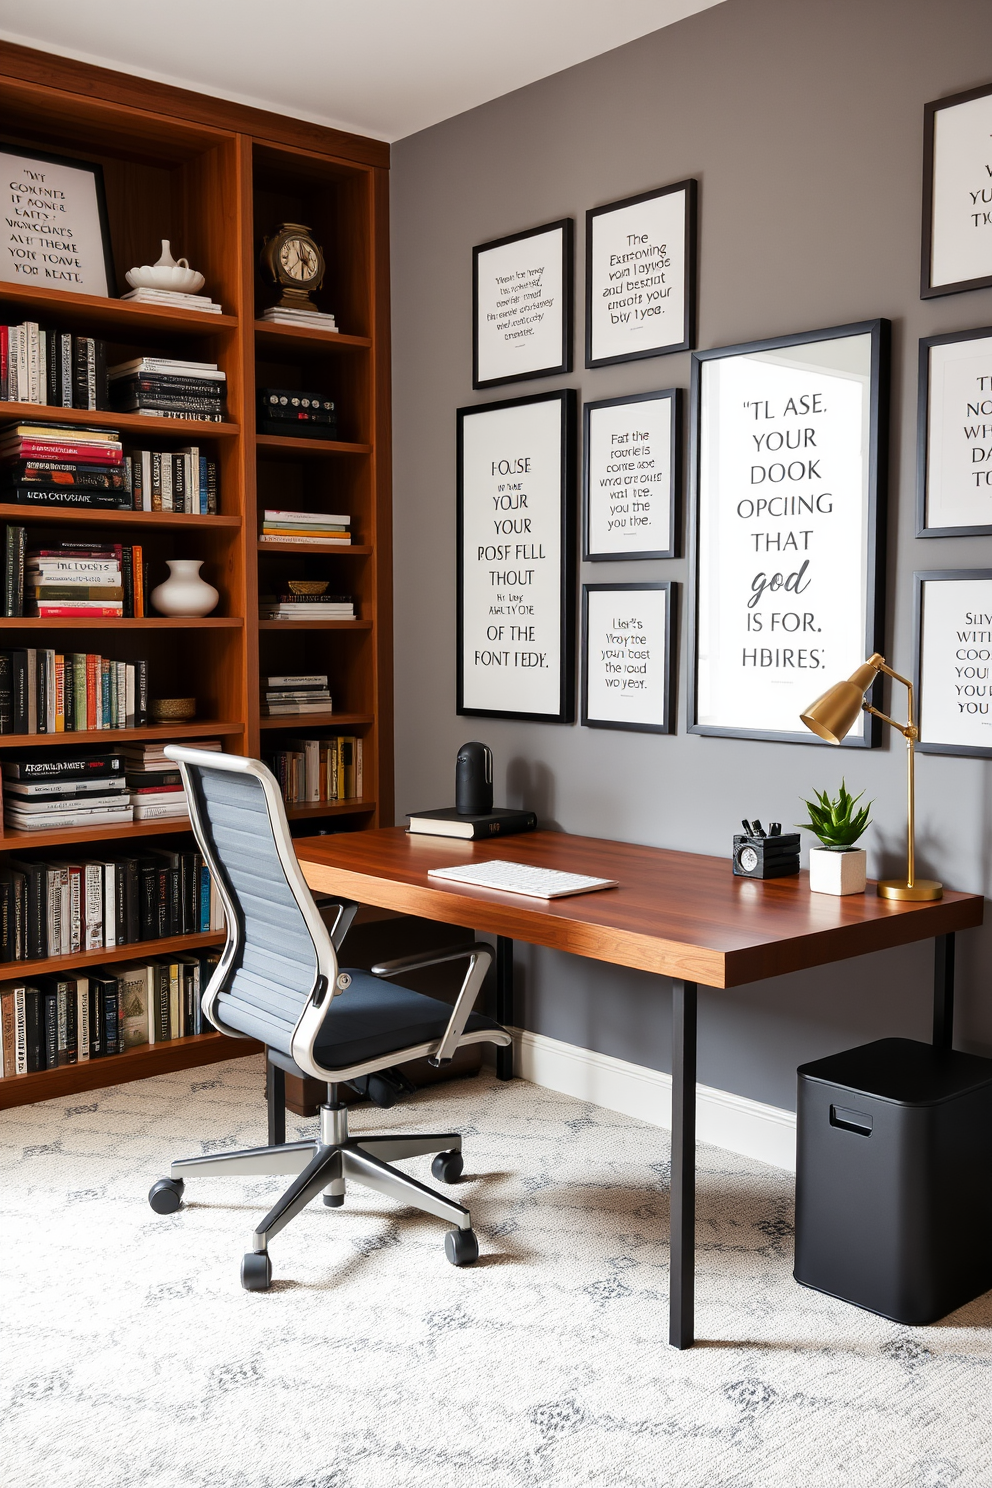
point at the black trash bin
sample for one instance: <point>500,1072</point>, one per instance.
<point>894,1178</point>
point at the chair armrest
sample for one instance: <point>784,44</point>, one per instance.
<point>343,911</point>
<point>480,957</point>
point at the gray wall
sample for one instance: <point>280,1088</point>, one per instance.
<point>803,124</point>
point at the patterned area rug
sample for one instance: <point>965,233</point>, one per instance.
<point>132,1358</point>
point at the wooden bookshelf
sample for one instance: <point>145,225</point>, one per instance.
<point>214,178</point>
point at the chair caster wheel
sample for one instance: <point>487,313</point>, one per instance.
<point>461,1247</point>
<point>334,1201</point>
<point>166,1195</point>
<point>256,1271</point>
<point>448,1167</point>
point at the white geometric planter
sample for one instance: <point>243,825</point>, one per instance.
<point>837,870</point>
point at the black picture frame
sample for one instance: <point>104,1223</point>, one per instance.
<point>675,397</point>
<point>667,726</point>
<point>564,711</point>
<point>920,579</point>
<point>566,226</point>
<point>923,441</point>
<point>689,275</point>
<point>96,170</point>
<point>929,290</point>
<point>880,332</point>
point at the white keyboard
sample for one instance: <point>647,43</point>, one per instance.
<point>522,878</point>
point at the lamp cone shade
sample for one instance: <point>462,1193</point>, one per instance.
<point>836,711</point>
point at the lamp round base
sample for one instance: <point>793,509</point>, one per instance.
<point>898,888</point>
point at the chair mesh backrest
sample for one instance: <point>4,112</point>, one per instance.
<point>277,968</point>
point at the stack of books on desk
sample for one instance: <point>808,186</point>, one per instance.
<point>162,388</point>
<point>62,465</point>
<point>307,693</point>
<point>154,783</point>
<point>173,297</point>
<point>283,315</point>
<point>305,527</point>
<point>289,606</point>
<point>44,793</point>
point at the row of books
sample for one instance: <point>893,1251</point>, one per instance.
<point>287,605</point>
<point>313,770</point>
<point>62,908</point>
<point>74,465</point>
<point>163,387</point>
<point>52,367</point>
<point>307,692</point>
<point>305,527</point>
<point>48,692</point>
<point>59,1021</point>
<point>82,580</point>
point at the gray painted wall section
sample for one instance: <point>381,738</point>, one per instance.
<point>803,123</point>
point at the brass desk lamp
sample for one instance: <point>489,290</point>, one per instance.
<point>833,715</point>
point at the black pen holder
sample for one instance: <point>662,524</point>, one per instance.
<point>766,857</point>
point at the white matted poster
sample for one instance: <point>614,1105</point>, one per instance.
<point>55,232</point>
<point>629,476</point>
<point>515,558</point>
<point>957,193</point>
<point>787,567</point>
<point>954,661</point>
<point>627,657</point>
<point>954,433</point>
<point>641,275</point>
<point>522,305</point>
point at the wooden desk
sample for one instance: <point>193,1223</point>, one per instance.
<point>680,915</point>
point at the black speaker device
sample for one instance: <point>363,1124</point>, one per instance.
<point>474,780</point>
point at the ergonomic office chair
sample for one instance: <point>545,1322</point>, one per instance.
<point>278,981</point>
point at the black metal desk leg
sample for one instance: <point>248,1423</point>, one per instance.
<point>943,991</point>
<point>504,1002</point>
<point>681,1278</point>
<point>275,1099</point>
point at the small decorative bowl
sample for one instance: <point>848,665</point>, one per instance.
<point>173,710</point>
<point>308,586</point>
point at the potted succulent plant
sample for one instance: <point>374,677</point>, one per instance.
<point>837,866</point>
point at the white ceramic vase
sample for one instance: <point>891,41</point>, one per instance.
<point>166,273</point>
<point>184,592</point>
<point>837,870</point>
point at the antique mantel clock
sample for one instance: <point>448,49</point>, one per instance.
<point>296,264</point>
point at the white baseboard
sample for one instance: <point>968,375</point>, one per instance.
<point>729,1121</point>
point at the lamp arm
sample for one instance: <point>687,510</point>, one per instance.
<point>908,730</point>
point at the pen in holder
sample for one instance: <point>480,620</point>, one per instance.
<point>760,854</point>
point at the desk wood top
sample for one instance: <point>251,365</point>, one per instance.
<point>680,914</point>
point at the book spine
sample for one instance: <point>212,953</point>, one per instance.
<point>8,1037</point>
<point>83,1039</point>
<point>22,1051</point>
<point>109,904</point>
<point>4,363</point>
<point>51,1029</point>
<point>138,580</point>
<point>65,369</point>
<point>60,694</point>
<point>62,1024</point>
<point>93,912</point>
<point>156,483</point>
<point>127,581</point>
<point>140,693</point>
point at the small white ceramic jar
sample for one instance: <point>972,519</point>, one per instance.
<point>184,592</point>
<point>838,870</point>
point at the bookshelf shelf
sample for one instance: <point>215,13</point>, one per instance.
<point>215,178</point>
<point>139,950</point>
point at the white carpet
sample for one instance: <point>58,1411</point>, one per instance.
<point>131,1357</point>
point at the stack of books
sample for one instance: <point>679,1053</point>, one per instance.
<point>283,315</point>
<point>44,793</point>
<point>155,783</point>
<point>290,606</point>
<point>182,480</point>
<point>303,694</point>
<point>305,527</point>
<point>58,1020</point>
<point>173,297</point>
<point>53,367</point>
<point>162,388</point>
<point>313,770</point>
<point>67,581</point>
<point>62,465</point>
<point>290,412</point>
<point>46,692</point>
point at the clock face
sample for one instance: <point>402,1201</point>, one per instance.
<point>298,260</point>
<point>748,859</point>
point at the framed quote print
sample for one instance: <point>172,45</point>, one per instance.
<point>641,275</point>
<point>628,656</point>
<point>954,661</point>
<point>630,474</point>
<point>57,234</point>
<point>516,551</point>
<point>788,480</point>
<point>954,435</point>
<point>522,305</point>
<point>957,193</point>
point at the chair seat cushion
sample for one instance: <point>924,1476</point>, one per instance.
<point>374,1018</point>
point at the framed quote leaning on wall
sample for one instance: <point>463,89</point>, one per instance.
<point>522,305</point>
<point>630,476</point>
<point>953,663</point>
<point>787,475</point>
<point>957,193</point>
<point>56,234</point>
<point>516,558</point>
<point>954,435</point>
<point>641,275</point>
<point>628,634</point>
